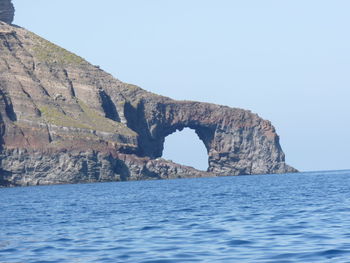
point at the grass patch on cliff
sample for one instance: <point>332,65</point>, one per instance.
<point>58,118</point>
<point>45,51</point>
<point>88,118</point>
<point>101,122</point>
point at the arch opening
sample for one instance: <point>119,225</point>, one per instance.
<point>186,148</point>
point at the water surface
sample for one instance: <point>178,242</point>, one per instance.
<point>268,218</point>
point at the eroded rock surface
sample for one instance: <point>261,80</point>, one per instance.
<point>7,11</point>
<point>237,141</point>
<point>63,120</point>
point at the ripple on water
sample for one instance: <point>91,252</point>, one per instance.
<point>215,231</point>
<point>333,253</point>
<point>230,219</point>
<point>239,242</point>
<point>43,249</point>
<point>9,250</point>
<point>149,228</point>
<point>62,240</point>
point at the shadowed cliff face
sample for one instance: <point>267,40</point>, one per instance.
<point>63,120</point>
<point>7,11</point>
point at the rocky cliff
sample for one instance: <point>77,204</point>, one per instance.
<point>7,11</point>
<point>63,120</point>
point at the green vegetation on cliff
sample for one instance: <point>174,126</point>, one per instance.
<point>45,51</point>
<point>54,116</point>
<point>87,119</point>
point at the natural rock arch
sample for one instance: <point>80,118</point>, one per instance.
<point>237,141</point>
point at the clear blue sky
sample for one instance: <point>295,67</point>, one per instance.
<point>288,61</point>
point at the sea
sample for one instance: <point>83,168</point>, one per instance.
<point>302,217</point>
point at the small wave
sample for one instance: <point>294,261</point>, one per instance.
<point>162,261</point>
<point>330,253</point>
<point>116,248</point>
<point>145,228</point>
<point>41,249</point>
<point>8,250</point>
<point>238,242</point>
<point>215,231</point>
<point>63,240</point>
<point>84,250</point>
<point>185,255</point>
<point>183,210</point>
<point>231,219</point>
<point>315,236</point>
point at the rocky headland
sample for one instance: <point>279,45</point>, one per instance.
<point>63,120</point>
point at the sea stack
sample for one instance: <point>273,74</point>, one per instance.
<point>7,11</point>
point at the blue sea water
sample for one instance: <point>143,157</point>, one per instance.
<point>267,218</point>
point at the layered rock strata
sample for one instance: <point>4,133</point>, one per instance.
<point>63,120</point>
<point>7,11</point>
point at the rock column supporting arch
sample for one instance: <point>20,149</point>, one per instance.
<point>237,141</point>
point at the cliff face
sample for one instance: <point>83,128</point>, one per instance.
<point>63,120</point>
<point>7,11</point>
